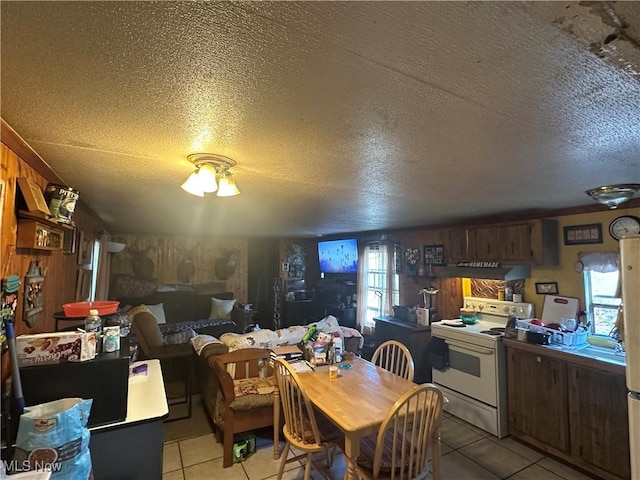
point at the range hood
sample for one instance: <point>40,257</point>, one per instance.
<point>487,270</point>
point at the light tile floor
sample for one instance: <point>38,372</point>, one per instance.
<point>467,453</point>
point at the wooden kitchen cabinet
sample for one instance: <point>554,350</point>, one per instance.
<point>598,431</point>
<point>455,241</point>
<point>532,242</point>
<point>537,396</point>
<point>570,406</point>
<point>514,242</point>
<point>483,243</point>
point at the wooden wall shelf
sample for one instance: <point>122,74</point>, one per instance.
<point>40,233</point>
<point>46,220</point>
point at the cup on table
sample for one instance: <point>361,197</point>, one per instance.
<point>347,356</point>
<point>333,371</point>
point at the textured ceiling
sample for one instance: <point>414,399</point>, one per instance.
<point>343,117</point>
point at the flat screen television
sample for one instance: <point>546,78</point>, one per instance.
<point>338,256</point>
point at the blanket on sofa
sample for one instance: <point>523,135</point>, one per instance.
<point>286,336</point>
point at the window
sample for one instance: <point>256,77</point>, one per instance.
<point>94,269</point>
<point>381,287</point>
<point>602,299</point>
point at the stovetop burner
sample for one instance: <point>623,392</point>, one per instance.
<point>456,325</point>
<point>491,332</point>
<point>494,331</point>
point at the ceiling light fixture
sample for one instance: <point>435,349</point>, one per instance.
<point>211,174</point>
<point>613,195</point>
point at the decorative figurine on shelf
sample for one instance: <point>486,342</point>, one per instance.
<point>412,259</point>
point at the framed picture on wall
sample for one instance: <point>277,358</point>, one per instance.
<point>70,241</point>
<point>83,285</point>
<point>547,288</point>
<point>33,293</point>
<point>433,255</point>
<point>33,196</point>
<point>85,249</point>
<point>583,234</point>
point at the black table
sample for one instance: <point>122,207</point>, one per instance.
<point>182,353</point>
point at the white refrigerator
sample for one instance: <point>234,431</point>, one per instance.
<point>630,269</point>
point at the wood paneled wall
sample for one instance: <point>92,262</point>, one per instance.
<point>167,252</point>
<point>60,282</point>
<point>449,297</point>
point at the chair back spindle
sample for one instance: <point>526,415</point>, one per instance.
<point>395,357</point>
<point>407,437</point>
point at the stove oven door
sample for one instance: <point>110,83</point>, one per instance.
<point>472,371</point>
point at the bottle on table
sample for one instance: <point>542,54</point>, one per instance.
<point>337,346</point>
<point>111,336</point>
<point>330,353</point>
<point>93,323</point>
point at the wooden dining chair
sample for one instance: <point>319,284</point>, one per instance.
<point>304,428</point>
<point>395,357</point>
<point>408,438</point>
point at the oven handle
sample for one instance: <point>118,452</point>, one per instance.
<point>471,348</point>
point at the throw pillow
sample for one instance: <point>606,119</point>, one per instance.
<point>158,312</point>
<point>133,311</point>
<point>221,309</point>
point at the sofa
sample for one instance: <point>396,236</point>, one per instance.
<point>208,347</point>
<point>183,310</point>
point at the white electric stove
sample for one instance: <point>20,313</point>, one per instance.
<point>475,380</point>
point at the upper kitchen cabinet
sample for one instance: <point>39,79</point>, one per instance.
<point>542,242</point>
<point>455,241</point>
<point>483,243</point>
<point>532,242</point>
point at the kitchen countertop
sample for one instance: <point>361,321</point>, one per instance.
<point>589,356</point>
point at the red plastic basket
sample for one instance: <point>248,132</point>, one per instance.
<point>81,309</point>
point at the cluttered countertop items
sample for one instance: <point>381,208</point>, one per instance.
<point>563,327</point>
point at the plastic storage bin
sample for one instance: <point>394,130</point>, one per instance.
<point>569,339</point>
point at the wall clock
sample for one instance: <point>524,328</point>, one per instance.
<point>624,225</point>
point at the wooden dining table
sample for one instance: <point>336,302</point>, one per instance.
<point>356,402</point>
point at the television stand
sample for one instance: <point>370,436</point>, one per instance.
<point>346,316</point>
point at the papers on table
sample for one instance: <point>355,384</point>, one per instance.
<point>288,352</point>
<point>300,366</point>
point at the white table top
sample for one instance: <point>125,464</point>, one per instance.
<point>147,399</point>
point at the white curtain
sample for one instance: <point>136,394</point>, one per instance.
<point>375,274</point>
<point>387,250</point>
<point>601,262</point>
<point>363,269</point>
<point>104,269</point>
